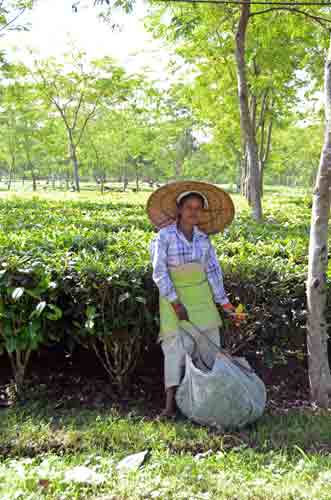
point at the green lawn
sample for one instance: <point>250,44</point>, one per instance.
<point>282,457</point>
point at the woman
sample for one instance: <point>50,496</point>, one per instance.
<point>188,275</point>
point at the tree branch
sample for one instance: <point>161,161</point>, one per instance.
<point>62,113</point>
<point>263,109</point>
<point>3,28</point>
<point>69,101</point>
<point>80,102</point>
<point>87,119</point>
<point>51,98</point>
<point>318,19</point>
<point>251,2</point>
<point>267,149</point>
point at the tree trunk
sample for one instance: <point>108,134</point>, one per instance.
<point>34,182</point>
<point>317,336</point>
<point>178,168</point>
<point>102,183</point>
<point>261,175</point>
<point>247,128</point>
<point>243,173</point>
<point>74,160</point>
<point>67,180</point>
<point>11,173</point>
<point>19,361</point>
<point>137,179</point>
<point>125,179</point>
<point>34,179</point>
<point>239,174</point>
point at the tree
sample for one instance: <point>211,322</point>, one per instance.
<point>256,90</point>
<point>295,149</point>
<point>104,148</point>
<point>31,119</point>
<point>184,148</point>
<point>11,147</point>
<point>317,338</point>
<point>247,127</point>
<point>76,90</point>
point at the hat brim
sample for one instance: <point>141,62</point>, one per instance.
<point>162,205</point>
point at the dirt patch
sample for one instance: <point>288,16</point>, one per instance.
<point>78,380</point>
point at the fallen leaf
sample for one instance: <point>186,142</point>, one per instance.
<point>44,483</point>
<point>133,462</point>
<point>82,474</point>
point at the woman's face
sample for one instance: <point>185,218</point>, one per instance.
<point>190,211</point>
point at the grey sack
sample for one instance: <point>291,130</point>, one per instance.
<point>230,395</point>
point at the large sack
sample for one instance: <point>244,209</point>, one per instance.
<point>231,395</point>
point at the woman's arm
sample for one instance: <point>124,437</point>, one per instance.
<point>161,275</point>
<point>215,278</point>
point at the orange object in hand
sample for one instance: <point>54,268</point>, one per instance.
<point>231,312</point>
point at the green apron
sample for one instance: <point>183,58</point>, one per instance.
<point>194,292</point>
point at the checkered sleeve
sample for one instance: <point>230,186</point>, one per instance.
<point>161,275</point>
<point>215,277</point>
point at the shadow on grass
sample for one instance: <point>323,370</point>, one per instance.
<point>38,427</point>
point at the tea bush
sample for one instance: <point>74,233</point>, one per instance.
<point>78,272</point>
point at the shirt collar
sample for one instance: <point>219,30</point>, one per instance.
<point>197,234</point>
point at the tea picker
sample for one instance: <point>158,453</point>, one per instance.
<point>190,282</point>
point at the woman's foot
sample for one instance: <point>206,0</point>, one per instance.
<point>169,413</point>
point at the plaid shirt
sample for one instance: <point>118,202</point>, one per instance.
<point>171,248</point>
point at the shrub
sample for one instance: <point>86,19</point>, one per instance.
<point>79,272</point>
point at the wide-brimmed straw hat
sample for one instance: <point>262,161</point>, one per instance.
<point>218,211</point>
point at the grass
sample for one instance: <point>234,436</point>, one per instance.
<point>282,457</point>
<point>88,193</point>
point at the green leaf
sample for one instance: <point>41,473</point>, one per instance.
<point>17,293</point>
<point>123,297</point>
<point>90,311</point>
<point>141,299</point>
<point>55,314</point>
<point>89,324</point>
<point>11,344</point>
<point>40,307</point>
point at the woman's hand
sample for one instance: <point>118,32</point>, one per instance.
<point>230,312</point>
<point>180,311</point>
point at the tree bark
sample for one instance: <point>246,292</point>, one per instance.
<point>73,156</point>
<point>247,128</point>
<point>33,175</point>
<point>67,180</point>
<point>265,138</point>
<point>11,172</point>
<point>317,335</point>
<point>243,172</point>
<point>178,168</point>
<point>102,182</point>
<point>34,181</point>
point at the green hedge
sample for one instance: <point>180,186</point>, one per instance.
<point>79,273</point>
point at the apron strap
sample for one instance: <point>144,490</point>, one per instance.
<point>245,369</point>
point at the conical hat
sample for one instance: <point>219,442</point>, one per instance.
<point>162,205</point>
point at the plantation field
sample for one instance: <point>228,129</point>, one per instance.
<point>78,244</point>
<point>75,274</point>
